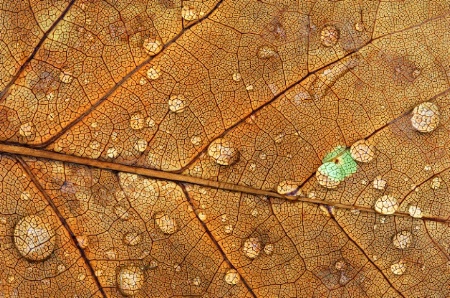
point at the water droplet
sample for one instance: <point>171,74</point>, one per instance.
<point>279,138</point>
<point>249,87</point>
<point>340,265</point>
<point>398,268</point>
<point>379,183</point>
<point>383,219</point>
<point>25,196</point>
<point>266,52</point>
<point>81,276</point>
<point>177,268</point>
<point>415,211</point>
<point>202,216</point>
<point>140,145</point>
<point>152,46</point>
<point>142,81</point>
<point>137,121</point>
<point>323,177</point>
<point>112,152</point>
<point>132,239</point>
<point>223,152</point>
<point>83,241</point>
<point>362,151</point>
<point>11,279</point>
<point>228,229</point>
<point>34,238</point>
<point>65,77</point>
<point>436,183</point>
<point>197,281</point>
<point>196,140</point>
<point>268,249</point>
<point>255,212</point>
<point>26,129</point>
<point>154,72</point>
<point>166,223</point>
<point>177,103</point>
<point>188,13</point>
<point>121,212</point>
<point>232,277</point>
<point>287,187</point>
<point>153,264</point>
<point>252,167</point>
<point>425,117</point>
<point>130,280</point>
<point>237,77</point>
<point>252,247</point>
<point>94,145</point>
<point>61,268</point>
<point>359,26</point>
<point>386,205</point>
<point>329,36</point>
<point>355,211</point>
<point>111,254</point>
<point>262,156</point>
<point>427,168</point>
<point>402,240</point>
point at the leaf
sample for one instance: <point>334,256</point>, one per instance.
<point>143,144</point>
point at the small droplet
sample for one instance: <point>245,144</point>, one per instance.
<point>375,257</point>
<point>26,129</point>
<point>177,103</point>
<point>132,239</point>
<point>223,152</point>
<point>166,223</point>
<point>415,211</point>
<point>255,212</point>
<point>202,216</point>
<point>228,229</point>
<point>153,264</point>
<point>130,280</point>
<point>65,77</point>
<point>359,26</point>
<point>94,145</point>
<point>425,117</point>
<point>268,249</point>
<point>287,187</point>
<point>177,268</point>
<point>386,205</point>
<point>196,281</point>
<point>323,177</point>
<point>83,241</point>
<point>436,183</point>
<point>154,72</point>
<point>362,151</point>
<point>237,77</point>
<point>34,238</point>
<point>152,46</point>
<point>111,254</point>
<point>379,183</point>
<point>81,276</point>
<point>329,36</point>
<point>252,167</point>
<point>266,52</point>
<point>142,81</point>
<point>188,13</point>
<point>402,240</point>
<point>427,168</point>
<point>383,219</point>
<point>121,212</point>
<point>279,138</point>
<point>112,152</point>
<point>140,145</point>
<point>262,156</point>
<point>398,268</point>
<point>25,196</point>
<point>249,87</point>
<point>340,265</point>
<point>355,211</point>
<point>232,277</point>
<point>252,247</point>
<point>61,268</point>
<point>137,121</point>
<point>150,122</point>
<point>196,140</point>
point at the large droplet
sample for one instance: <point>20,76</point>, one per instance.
<point>287,187</point>
<point>232,277</point>
<point>425,117</point>
<point>154,72</point>
<point>166,223</point>
<point>415,211</point>
<point>329,36</point>
<point>223,152</point>
<point>402,240</point>
<point>152,46</point>
<point>386,205</point>
<point>252,247</point>
<point>177,103</point>
<point>362,151</point>
<point>130,280</point>
<point>398,268</point>
<point>34,238</point>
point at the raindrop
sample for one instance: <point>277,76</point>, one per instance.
<point>415,211</point>
<point>65,77</point>
<point>34,238</point>
<point>197,281</point>
<point>25,196</point>
<point>329,36</point>
<point>228,229</point>
<point>188,13</point>
<point>137,121</point>
<point>425,117</point>
<point>252,247</point>
<point>402,240</point>
<point>26,129</point>
<point>140,145</point>
<point>379,183</point>
<point>266,52</point>
<point>232,277</point>
<point>196,140</point>
<point>436,183</point>
<point>386,205</point>
<point>83,241</point>
<point>202,216</point>
<point>177,103</point>
<point>130,280</point>
<point>287,187</point>
<point>223,152</point>
<point>154,72</point>
<point>112,152</point>
<point>121,212</point>
<point>398,268</point>
<point>268,249</point>
<point>362,151</point>
<point>237,77</point>
<point>152,46</point>
<point>132,239</point>
<point>165,223</point>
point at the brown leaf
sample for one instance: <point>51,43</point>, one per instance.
<point>169,148</point>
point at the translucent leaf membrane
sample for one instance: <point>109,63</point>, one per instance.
<point>28,268</point>
<point>137,228</point>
